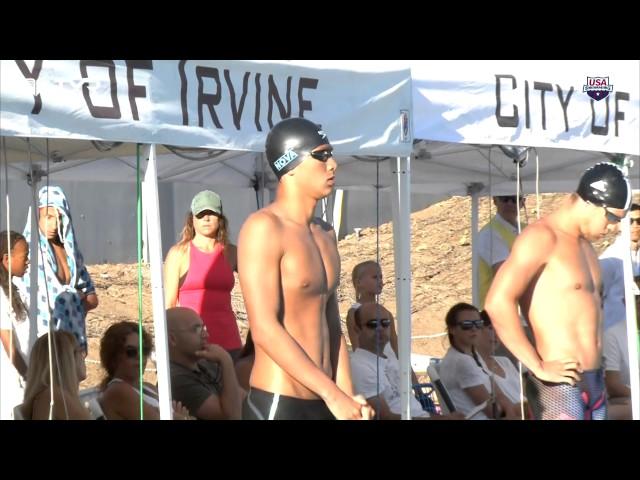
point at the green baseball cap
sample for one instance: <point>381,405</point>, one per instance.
<point>206,200</point>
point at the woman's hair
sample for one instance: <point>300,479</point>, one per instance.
<point>65,374</point>
<point>451,319</point>
<point>6,247</point>
<point>111,345</point>
<point>189,232</point>
<point>358,270</point>
<point>249,347</point>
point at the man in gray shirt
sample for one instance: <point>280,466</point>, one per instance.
<point>202,374</point>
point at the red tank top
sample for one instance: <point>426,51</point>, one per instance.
<point>207,290</point>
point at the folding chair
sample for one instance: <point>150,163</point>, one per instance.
<point>424,393</point>
<point>446,404</point>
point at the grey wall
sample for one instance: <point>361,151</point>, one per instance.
<point>104,213</point>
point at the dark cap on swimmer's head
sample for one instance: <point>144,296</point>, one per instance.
<point>605,185</point>
<point>289,141</point>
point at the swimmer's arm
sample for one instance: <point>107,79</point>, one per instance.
<point>259,273</point>
<point>172,277</point>
<point>530,252</point>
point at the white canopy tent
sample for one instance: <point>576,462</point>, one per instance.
<point>87,107</point>
<point>459,112</point>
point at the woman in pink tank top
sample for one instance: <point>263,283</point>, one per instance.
<point>199,271</point>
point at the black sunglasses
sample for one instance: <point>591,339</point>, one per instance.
<point>322,155</point>
<point>373,323</point>
<point>469,324</point>
<point>510,198</point>
<point>635,220</point>
<point>132,352</point>
<point>611,217</point>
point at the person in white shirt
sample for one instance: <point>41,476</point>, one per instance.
<point>615,359</point>
<point>612,271</point>
<point>464,378</point>
<point>375,369</point>
<point>14,323</point>
<point>501,368</point>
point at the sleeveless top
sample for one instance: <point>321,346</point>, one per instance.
<point>148,395</point>
<point>207,290</point>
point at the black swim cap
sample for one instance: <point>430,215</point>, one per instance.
<point>605,185</point>
<point>289,141</point>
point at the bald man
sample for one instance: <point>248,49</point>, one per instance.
<point>202,374</point>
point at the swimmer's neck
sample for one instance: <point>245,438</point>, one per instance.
<point>296,206</point>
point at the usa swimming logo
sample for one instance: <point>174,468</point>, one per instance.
<point>598,88</point>
<point>284,160</point>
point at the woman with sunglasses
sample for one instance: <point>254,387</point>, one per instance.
<point>199,271</point>
<point>466,378</point>
<point>120,357</point>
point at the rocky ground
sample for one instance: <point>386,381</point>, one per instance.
<point>440,267</point>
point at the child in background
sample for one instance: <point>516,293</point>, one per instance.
<point>367,282</point>
<point>14,323</point>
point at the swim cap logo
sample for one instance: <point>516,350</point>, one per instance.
<point>285,159</point>
<point>322,134</point>
<point>598,88</point>
<point>600,185</point>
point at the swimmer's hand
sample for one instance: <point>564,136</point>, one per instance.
<point>567,370</point>
<point>344,407</point>
<point>366,410</point>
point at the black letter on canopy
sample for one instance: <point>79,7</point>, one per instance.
<point>543,87</point>
<point>101,112</point>
<point>136,90</point>
<point>302,103</point>
<point>565,104</point>
<point>35,73</point>
<point>206,98</point>
<point>183,92</point>
<point>619,114</point>
<point>505,121</point>
<point>273,94</point>
<point>599,130</point>
<point>236,111</point>
<point>257,115</point>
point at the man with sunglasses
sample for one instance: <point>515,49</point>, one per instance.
<point>289,271</point>
<point>612,271</point>
<point>376,370</point>
<point>553,272</point>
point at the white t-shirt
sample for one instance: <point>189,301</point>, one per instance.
<point>510,384</point>
<point>11,389</point>
<point>459,371</point>
<point>612,275</point>
<point>365,366</point>
<point>615,354</point>
<point>491,247</point>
